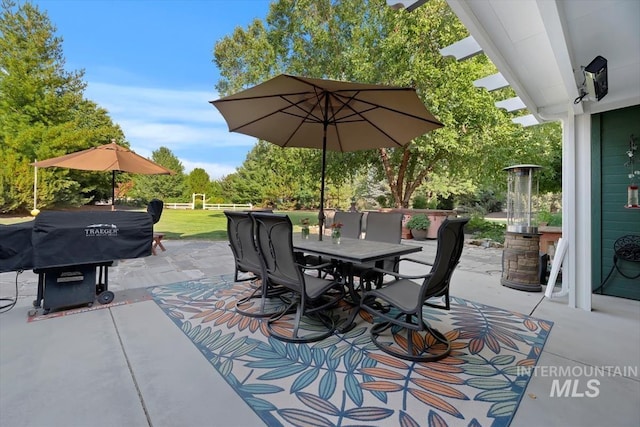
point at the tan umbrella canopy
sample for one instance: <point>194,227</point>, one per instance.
<point>292,111</point>
<point>109,157</point>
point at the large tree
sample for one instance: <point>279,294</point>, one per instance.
<point>163,187</point>
<point>197,181</point>
<point>43,114</point>
<point>365,41</point>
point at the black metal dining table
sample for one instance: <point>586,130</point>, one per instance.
<point>350,252</point>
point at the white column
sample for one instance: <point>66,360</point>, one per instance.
<point>581,266</point>
<point>568,205</point>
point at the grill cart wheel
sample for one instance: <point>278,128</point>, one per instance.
<point>105,297</point>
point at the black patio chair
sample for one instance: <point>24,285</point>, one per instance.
<point>241,234</point>
<point>154,208</point>
<point>351,223</point>
<point>310,295</point>
<point>400,303</point>
<point>380,227</point>
<point>351,228</point>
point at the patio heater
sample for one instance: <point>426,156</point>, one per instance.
<point>521,254</point>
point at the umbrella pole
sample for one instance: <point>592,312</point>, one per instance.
<point>113,190</point>
<point>324,162</point>
<point>321,214</point>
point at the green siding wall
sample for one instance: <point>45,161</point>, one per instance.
<point>611,132</point>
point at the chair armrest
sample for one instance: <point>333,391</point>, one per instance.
<point>416,261</point>
<point>315,267</point>
<point>403,276</point>
<point>399,275</point>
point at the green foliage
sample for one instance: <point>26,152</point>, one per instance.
<point>480,202</point>
<point>445,202</point>
<point>418,222</point>
<point>550,202</point>
<point>550,219</point>
<point>483,229</point>
<point>163,187</point>
<point>383,201</point>
<point>287,178</point>
<point>198,182</point>
<point>43,114</point>
<point>366,41</point>
<point>419,202</point>
<point>215,193</point>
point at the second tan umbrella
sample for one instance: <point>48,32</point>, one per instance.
<point>109,157</point>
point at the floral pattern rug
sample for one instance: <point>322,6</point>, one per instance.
<point>345,380</point>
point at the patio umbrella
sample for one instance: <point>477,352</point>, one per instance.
<point>109,157</point>
<point>292,111</point>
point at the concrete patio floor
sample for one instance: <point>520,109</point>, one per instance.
<point>129,365</point>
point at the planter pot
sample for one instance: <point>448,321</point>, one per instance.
<point>419,234</point>
<point>436,216</point>
<point>548,236</point>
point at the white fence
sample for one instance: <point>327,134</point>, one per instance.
<point>178,205</point>
<point>226,206</point>
<point>208,206</point>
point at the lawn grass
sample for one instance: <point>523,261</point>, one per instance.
<point>192,224</point>
<point>8,220</point>
<point>196,224</point>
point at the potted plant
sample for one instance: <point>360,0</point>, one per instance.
<point>419,226</point>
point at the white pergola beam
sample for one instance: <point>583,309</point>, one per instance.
<point>462,49</point>
<point>493,82</point>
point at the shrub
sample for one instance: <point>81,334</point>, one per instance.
<point>483,229</point>
<point>551,219</point>
<point>418,222</point>
<point>482,202</point>
<point>382,200</point>
<point>445,203</point>
<point>419,202</point>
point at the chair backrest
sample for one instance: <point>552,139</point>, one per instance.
<point>450,244</point>
<point>241,232</point>
<point>384,227</point>
<point>274,234</point>
<point>351,224</point>
<point>154,208</point>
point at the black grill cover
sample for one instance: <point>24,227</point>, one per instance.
<point>16,252</point>
<point>71,238</point>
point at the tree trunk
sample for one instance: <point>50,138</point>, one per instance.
<point>402,187</point>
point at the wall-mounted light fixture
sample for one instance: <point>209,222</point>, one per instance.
<point>596,84</point>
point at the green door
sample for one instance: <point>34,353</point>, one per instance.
<point>611,134</point>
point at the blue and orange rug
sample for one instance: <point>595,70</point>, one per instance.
<point>346,381</point>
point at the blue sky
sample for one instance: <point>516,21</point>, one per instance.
<point>150,64</point>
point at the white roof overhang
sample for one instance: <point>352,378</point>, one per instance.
<point>541,47</point>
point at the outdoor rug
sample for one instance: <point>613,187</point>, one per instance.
<point>345,380</point>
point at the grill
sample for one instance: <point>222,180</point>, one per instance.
<point>72,251</point>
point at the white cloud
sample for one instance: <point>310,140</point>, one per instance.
<point>182,120</point>
<point>215,171</point>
